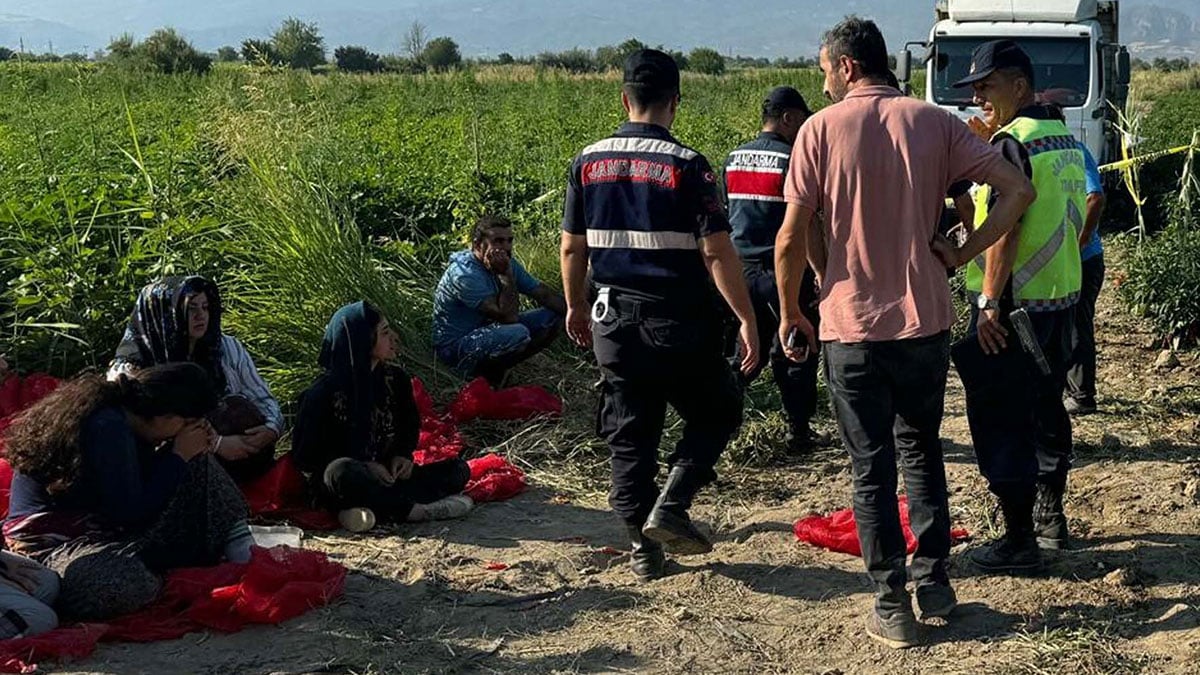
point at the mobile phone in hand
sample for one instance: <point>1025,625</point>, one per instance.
<point>791,342</point>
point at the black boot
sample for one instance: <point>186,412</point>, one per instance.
<point>1049,519</point>
<point>669,522</point>
<point>1017,551</point>
<point>647,558</point>
<point>803,440</point>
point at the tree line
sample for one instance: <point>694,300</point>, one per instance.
<point>297,44</point>
<point>1162,64</point>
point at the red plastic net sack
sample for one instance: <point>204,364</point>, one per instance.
<point>493,479</point>
<point>279,584</point>
<point>10,395</point>
<point>17,394</point>
<point>77,642</point>
<point>6,477</point>
<point>423,399</point>
<point>838,532</point>
<point>281,494</point>
<point>439,440</point>
<point>35,387</point>
<point>477,400</point>
<point>276,585</point>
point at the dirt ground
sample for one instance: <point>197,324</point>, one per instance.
<point>422,599</point>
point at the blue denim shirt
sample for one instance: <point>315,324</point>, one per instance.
<point>466,285</point>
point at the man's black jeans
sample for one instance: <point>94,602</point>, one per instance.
<point>889,399</point>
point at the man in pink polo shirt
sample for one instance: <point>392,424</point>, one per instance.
<point>877,165</point>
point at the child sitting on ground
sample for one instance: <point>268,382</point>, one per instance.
<point>115,483</point>
<point>358,425</point>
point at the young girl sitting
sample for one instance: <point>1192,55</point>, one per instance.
<point>358,425</point>
<point>179,319</point>
<point>114,484</point>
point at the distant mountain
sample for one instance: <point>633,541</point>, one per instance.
<point>487,27</point>
<point>38,34</point>
<point>1157,31</point>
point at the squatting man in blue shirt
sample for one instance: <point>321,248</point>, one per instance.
<point>478,328</point>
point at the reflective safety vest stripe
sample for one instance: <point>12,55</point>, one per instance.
<point>1046,274</point>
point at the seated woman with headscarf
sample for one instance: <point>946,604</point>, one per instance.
<point>179,319</point>
<point>358,425</point>
<point>115,484</point>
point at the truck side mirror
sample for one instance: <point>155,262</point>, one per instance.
<point>1123,67</point>
<point>904,65</point>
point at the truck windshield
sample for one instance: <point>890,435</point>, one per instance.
<point>1060,68</point>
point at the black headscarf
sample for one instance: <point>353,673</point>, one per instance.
<point>158,327</point>
<point>354,410</point>
<point>346,357</point>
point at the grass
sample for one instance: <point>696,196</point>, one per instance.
<point>298,193</point>
<point>1081,650</point>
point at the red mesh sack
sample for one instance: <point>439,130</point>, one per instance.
<point>279,584</point>
<point>835,532</point>
<point>439,439</point>
<point>437,442</point>
<point>838,531</point>
<point>21,655</point>
<point>494,478</point>
<point>35,387</point>
<point>6,477</point>
<point>281,494</point>
<point>477,400</point>
<point>423,399</point>
<point>10,395</point>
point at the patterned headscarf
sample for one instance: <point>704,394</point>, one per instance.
<point>158,327</point>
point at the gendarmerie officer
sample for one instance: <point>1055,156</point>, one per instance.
<point>645,212</point>
<point>754,174</point>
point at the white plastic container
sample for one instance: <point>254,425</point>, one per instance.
<point>276,535</point>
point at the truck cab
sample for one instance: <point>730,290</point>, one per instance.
<point>1074,45</point>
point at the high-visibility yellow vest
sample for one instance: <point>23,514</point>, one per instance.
<point>1046,274</point>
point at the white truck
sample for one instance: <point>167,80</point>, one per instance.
<point>1078,60</point>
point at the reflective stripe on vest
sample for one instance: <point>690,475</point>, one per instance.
<point>646,241</point>
<point>1046,273</point>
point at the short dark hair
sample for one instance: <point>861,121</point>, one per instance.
<point>774,113</point>
<point>860,40</point>
<point>484,225</point>
<point>1013,72</point>
<point>644,96</point>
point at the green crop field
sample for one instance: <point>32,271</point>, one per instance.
<point>110,179</point>
<point>299,192</point>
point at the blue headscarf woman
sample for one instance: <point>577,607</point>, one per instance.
<point>357,427</point>
<point>178,319</point>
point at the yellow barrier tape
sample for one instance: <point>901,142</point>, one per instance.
<point>1135,161</point>
<point>1126,166</point>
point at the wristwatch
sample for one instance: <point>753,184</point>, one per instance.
<point>983,302</point>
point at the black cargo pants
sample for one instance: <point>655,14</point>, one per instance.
<point>797,382</point>
<point>650,355</point>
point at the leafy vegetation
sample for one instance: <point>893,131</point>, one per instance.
<point>1163,269</point>
<point>357,60</point>
<point>298,192</point>
<point>707,61</point>
<point>164,50</point>
<point>279,184</point>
